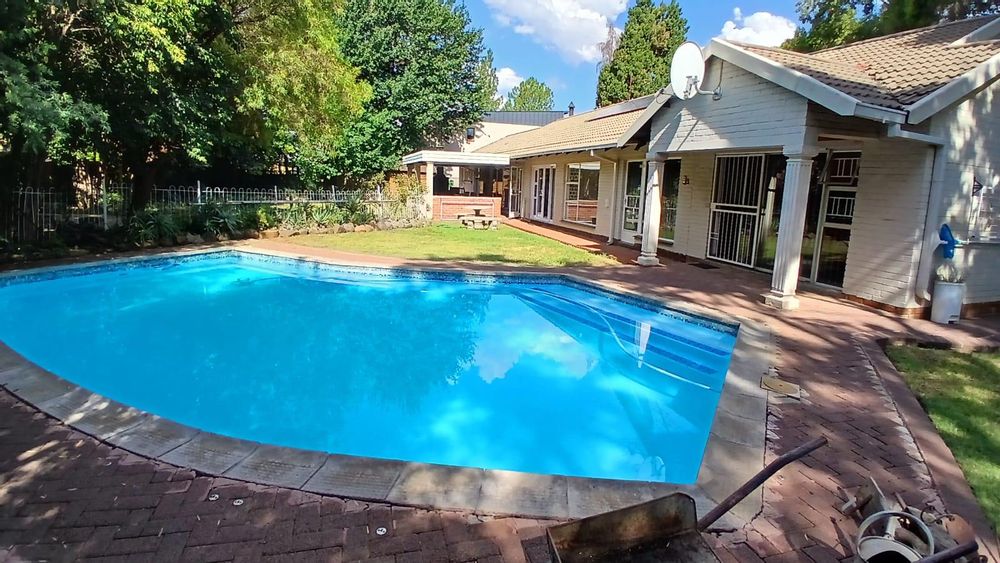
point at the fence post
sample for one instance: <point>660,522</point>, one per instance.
<point>104,202</point>
<point>276,193</point>
<point>198,192</point>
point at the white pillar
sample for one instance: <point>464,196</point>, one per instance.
<point>429,192</point>
<point>651,221</point>
<point>785,278</point>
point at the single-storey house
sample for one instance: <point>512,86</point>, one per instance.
<point>835,168</point>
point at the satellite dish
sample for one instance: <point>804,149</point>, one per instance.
<point>687,70</point>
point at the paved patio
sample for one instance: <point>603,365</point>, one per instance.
<point>63,495</point>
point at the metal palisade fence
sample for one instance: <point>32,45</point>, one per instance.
<point>35,214</point>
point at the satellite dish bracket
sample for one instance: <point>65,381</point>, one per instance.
<point>692,86</point>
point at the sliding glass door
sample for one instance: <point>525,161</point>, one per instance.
<point>543,181</point>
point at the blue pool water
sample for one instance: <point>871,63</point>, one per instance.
<point>520,374</point>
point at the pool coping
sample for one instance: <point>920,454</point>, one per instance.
<point>733,454</point>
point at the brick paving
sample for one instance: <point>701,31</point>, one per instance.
<point>63,495</point>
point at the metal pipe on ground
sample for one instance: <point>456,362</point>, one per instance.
<point>758,480</point>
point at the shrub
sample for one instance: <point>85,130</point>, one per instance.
<point>295,216</point>
<point>222,220</point>
<point>267,217</point>
<point>248,217</point>
<point>152,224</point>
<point>356,210</point>
<point>325,215</point>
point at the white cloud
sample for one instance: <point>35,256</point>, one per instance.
<point>572,28</point>
<point>759,28</point>
<point>507,78</point>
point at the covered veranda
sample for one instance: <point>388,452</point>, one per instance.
<point>457,182</point>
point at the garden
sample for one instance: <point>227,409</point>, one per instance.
<point>961,394</point>
<point>445,242</point>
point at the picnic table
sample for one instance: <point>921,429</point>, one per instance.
<point>479,220</point>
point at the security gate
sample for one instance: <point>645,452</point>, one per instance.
<point>735,200</point>
<point>514,196</point>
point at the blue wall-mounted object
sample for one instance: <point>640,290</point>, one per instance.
<point>949,241</point>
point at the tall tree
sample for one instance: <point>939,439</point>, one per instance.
<point>529,95</point>
<point>146,83</point>
<point>641,62</point>
<point>39,119</point>
<point>298,92</point>
<point>488,77</point>
<point>423,59</point>
<point>609,45</point>
<point>828,23</point>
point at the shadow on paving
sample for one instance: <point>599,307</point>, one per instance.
<point>65,496</point>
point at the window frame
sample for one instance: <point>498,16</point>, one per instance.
<point>586,165</point>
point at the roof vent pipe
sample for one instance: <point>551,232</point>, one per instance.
<point>572,109</point>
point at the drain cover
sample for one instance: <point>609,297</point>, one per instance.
<point>213,497</point>
<point>380,531</point>
<point>772,383</point>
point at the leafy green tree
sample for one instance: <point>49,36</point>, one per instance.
<point>298,93</point>
<point>423,60</point>
<point>139,82</point>
<point>38,118</point>
<point>640,64</point>
<point>488,77</point>
<point>529,95</point>
<point>828,23</point>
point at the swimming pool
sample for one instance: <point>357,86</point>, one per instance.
<point>525,373</point>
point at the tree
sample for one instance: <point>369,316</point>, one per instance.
<point>424,63</point>
<point>829,23</point>
<point>298,93</point>
<point>529,95</point>
<point>143,84</point>
<point>609,45</point>
<point>641,62</point>
<point>488,77</point>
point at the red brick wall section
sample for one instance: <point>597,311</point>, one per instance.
<point>449,207</point>
<point>583,211</point>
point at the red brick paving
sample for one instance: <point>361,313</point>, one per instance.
<point>63,495</point>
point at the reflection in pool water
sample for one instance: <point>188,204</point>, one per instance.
<point>537,377</point>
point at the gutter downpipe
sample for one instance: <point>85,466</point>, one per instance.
<point>929,243</point>
<point>614,193</point>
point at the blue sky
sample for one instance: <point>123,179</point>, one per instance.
<point>556,40</point>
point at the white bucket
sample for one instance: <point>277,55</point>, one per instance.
<point>946,306</point>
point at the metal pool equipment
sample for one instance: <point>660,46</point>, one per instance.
<point>664,529</point>
<point>892,532</point>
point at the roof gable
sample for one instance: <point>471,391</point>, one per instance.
<point>900,70</point>
<point>599,128</point>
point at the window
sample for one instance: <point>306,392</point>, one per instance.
<point>470,134</point>
<point>582,180</point>
<point>668,199</point>
<point>984,224</point>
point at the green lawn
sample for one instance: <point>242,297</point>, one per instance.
<point>961,392</point>
<point>446,242</point>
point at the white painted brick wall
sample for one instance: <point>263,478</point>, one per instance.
<point>752,113</point>
<point>973,129</point>
<point>693,204</point>
<point>888,222</point>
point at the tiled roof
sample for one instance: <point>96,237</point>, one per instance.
<point>896,70</point>
<point>593,129</point>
